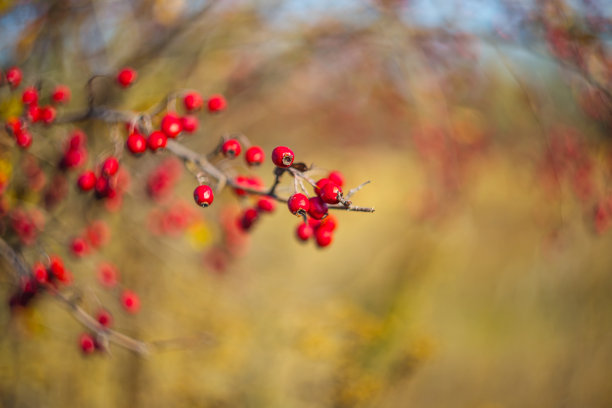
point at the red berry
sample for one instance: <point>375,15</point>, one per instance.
<point>110,166</point>
<point>320,184</point>
<point>136,143</point>
<point>330,222</point>
<point>190,123</point>
<point>104,318</point>
<point>304,231</point>
<point>73,158</point>
<point>203,195</point>
<point>77,140</point>
<point>216,103</point>
<point>318,208</point>
<point>126,77</point>
<point>130,301</point>
<point>61,94</point>
<point>103,188</point>
<point>171,125</point>
<point>323,236</point>
<point>14,77</point>
<point>33,113</point>
<point>23,139</point>
<point>47,114</point>
<point>13,125</point>
<point>40,272</point>
<point>57,269</point>
<point>29,96</point>
<point>337,178</point>
<point>298,203</point>
<point>157,140</point>
<point>231,148</point>
<point>330,193</point>
<point>87,343</point>
<point>248,218</point>
<point>108,275</point>
<point>266,204</point>
<point>193,101</point>
<point>254,156</point>
<point>79,247</point>
<point>282,156</point>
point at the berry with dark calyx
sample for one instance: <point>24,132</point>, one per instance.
<point>248,218</point>
<point>318,208</point>
<point>110,166</point>
<point>61,94</point>
<point>282,156</point>
<point>337,178</point>
<point>171,124</point>
<point>87,180</point>
<point>14,77</point>
<point>126,77</point>
<point>130,301</point>
<point>330,193</point>
<point>190,123</point>
<point>304,231</point>
<point>29,96</point>
<point>216,103</point>
<point>136,143</point>
<point>254,156</point>
<point>47,114</point>
<point>157,140</point>
<point>23,139</point>
<point>298,204</point>
<point>193,101</point>
<point>231,148</point>
<point>87,343</point>
<point>104,318</point>
<point>203,195</point>
<point>266,204</point>
<point>323,236</point>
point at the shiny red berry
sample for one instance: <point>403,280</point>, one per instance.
<point>33,113</point>
<point>254,156</point>
<point>29,96</point>
<point>61,94</point>
<point>102,188</point>
<point>266,204</point>
<point>73,158</point>
<point>193,101</point>
<point>216,103</point>
<point>298,203</point>
<point>203,195</point>
<point>79,247</point>
<point>40,273</point>
<point>87,180</point>
<point>23,139</point>
<point>14,77</point>
<point>318,208</point>
<point>47,114</point>
<point>323,236</point>
<point>13,125</point>
<point>104,318</point>
<point>136,143</point>
<point>190,123</point>
<point>319,185</point>
<point>157,140</point>
<point>126,77</point>
<point>231,148</point>
<point>337,178</point>
<point>110,166</point>
<point>130,301</point>
<point>304,231</point>
<point>171,125</point>
<point>77,140</point>
<point>282,156</point>
<point>330,193</point>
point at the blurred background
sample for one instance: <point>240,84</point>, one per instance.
<point>482,280</point>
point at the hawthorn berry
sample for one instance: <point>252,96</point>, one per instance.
<point>266,204</point>
<point>77,140</point>
<point>323,236</point>
<point>157,140</point>
<point>29,96</point>
<point>193,101</point>
<point>33,113</point>
<point>108,274</point>
<point>231,148</point>
<point>254,156</point>
<point>171,125</point>
<point>216,103</point>
<point>47,114</point>
<point>318,208</point>
<point>58,270</point>
<point>73,158</point>
<point>13,125</point>
<point>337,177</point>
<point>190,123</point>
<point>248,218</point>
<point>282,156</point>
<point>330,193</point>
<point>126,77</point>
<point>102,187</point>
<point>87,343</point>
<point>330,222</point>
<point>61,94</point>
<point>304,231</point>
<point>79,247</point>
<point>104,318</point>
<point>203,195</point>
<point>319,185</point>
<point>136,143</point>
<point>23,139</point>
<point>40,273</point>
<point>110,166</point>
<point>14,77</point>
<point>130,301</point>
<point>298,204</point>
